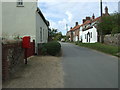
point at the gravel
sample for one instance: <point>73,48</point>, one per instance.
<point>40,72</point>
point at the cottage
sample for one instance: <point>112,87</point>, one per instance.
<point>24,19</point>
<point>87,32</point>
<point>73,33</point>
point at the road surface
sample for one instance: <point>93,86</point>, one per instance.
<point>86,68</point>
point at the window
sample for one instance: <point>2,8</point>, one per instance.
<point>19,2</point>
<point>91,34</point>
<point>41,34</point>
<point>85,36</point>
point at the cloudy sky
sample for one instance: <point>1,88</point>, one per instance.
<point>62,12</point>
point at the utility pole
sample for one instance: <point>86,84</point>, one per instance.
<point>101,32</point>
<point>101,7</point>
<point>66,27</point>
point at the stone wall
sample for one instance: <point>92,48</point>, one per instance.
<point>112,39</point>
<point>12,58</point>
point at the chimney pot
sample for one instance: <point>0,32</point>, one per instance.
<point>84,20</point>
<point>87,18</point>
<point>76,23</point>
<point>93,17</point>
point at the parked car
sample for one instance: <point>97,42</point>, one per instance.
<point>62,40</point>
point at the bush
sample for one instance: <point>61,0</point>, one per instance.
<point>44,51</point>
<point>51,48</point>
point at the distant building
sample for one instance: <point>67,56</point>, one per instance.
<point>86,32</point>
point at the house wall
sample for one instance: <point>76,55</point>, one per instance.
<point>92,38</point>
<point>80,35</point>
<point>0,45</point>
<point>41,24</point>
<point>19,20</point>
<point>0,19</point>
<point>40,38</point>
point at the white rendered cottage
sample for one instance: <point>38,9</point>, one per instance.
<point>24,19</point>
<point>88,31</point>
<point>90,35</point>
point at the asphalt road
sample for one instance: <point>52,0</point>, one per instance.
<point>86,68</point>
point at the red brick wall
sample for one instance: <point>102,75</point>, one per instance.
<point>12,57</point>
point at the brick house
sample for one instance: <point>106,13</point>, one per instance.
<point>73,33</point>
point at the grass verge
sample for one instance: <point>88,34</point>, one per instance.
<point>113,50</point>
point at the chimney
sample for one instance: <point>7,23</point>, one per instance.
<point>76,23</point>
<point>84,20</point>
<point>87,18</point>
<point>106,10</point>
<point>71,28</point>
<point>93,17</point>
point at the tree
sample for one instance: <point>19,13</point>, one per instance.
<point>54,35</point>
<point>109,24</point>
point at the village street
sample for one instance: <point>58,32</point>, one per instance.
<point>86,68</point>
<point>77,68</point>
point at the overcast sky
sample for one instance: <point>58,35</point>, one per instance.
<point>62,12</point>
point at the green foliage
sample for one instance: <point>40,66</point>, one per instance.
<point>101,47</point>
<point>52,48</point>
<point>109,24</point>
<point>58,36</point>
<point>44,51</point>
<point>54,35</point>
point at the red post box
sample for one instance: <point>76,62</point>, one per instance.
<point>26,42</point>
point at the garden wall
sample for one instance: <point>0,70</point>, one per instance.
<point>112,39</point>
<point>12,58</point>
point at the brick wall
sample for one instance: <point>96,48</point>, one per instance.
<point>112,39</point>
<point>12,58</point>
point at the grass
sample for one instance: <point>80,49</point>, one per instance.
<point>113,50</point>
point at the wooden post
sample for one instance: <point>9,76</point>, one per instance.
<point>25,55</point>
<point>33,47</point>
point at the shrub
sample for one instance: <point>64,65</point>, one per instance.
<point>44,51</point>
<point>52,48</point>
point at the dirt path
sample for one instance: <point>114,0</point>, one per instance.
<point>41,72</point>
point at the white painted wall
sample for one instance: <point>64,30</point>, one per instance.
<point>80,35</point>
<point>93,39</point>
<point>41,24</point>
<point>0,18</point>
<point>0,45</point>
<point>19,20</point>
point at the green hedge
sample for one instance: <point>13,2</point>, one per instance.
<point>51,48</point>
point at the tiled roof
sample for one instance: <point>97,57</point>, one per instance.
<point>76,27</point>
<point>96,19</point>
<point>86,22</point>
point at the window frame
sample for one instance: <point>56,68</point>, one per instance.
<point>91,34</point>
<point>41,34</point>
<point>20,3</point>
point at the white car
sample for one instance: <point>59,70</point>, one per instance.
<point>62,40</point>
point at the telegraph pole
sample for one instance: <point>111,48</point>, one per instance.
<point>66,27</point>
<point>101,32</point>
<point>101,7</point>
